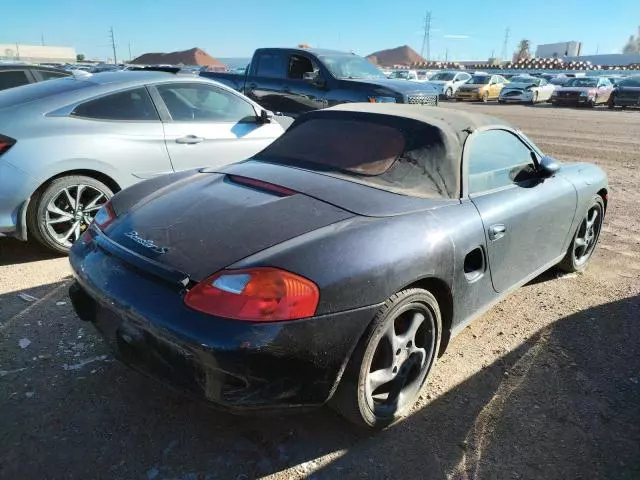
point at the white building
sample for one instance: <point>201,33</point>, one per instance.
<point>37,53</point>
<point>559,50</point>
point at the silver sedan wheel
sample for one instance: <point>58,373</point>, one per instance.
<point>71,211</point>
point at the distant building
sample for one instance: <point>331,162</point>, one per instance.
<point>37,53</point>
<point>559,50</point>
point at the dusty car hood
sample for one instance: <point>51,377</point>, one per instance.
<point>205,222</point>
<point>519,86</point>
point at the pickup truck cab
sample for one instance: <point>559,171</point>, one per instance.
<point>293,81</point>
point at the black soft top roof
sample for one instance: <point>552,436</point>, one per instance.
<point>428,167</point>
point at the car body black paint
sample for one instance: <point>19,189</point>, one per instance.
<point>358,244</point>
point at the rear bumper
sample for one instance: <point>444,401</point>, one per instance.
<point>470,96</point>
<point>15,189</point>
<point>568,102</point>
<point>236,365</point>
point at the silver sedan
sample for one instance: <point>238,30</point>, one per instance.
<point>67,145</point>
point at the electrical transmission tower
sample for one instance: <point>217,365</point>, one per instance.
<point>505,45</point>
<point>113,45</point>
<point>426,39</point>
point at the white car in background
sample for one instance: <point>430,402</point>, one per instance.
<point>526,89</point>
<point>447,83</point>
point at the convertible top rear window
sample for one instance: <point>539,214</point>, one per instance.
<point>354,146</point>
<point>391,153</point>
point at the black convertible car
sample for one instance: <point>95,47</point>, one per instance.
<point>336,265</point>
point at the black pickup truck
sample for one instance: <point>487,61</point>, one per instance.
<point>293,81</point>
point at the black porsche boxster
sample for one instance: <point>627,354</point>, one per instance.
<point>337,264</point>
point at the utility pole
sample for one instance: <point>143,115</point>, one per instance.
<point>42,38</point>
<point>426,39</point>
<point>130,56</point>
<point>113,45</point>
<point>505,45</point>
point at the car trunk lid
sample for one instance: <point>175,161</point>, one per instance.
<point>206,222</point>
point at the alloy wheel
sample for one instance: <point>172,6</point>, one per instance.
<point>587,235</point>
<point>71,210</point>
<point>401,360</point>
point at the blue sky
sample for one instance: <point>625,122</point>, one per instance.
<point>466,29</point>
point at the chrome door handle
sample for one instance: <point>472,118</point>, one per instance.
<point>190,140</point>
<point>497,231</point>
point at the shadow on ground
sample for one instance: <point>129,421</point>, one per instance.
<point>13,252</point>
<point>565,404</point>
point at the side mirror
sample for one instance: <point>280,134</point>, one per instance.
<point>265,116</point>
<point>548,167</point>
<point>314,79</point>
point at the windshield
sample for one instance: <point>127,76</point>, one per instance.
<point>36,91</point>
<point>351,66</point>
<point>443,76</point>
<point>582,82</point>
<point>479,80</point>
<point>404,74</point>
<point>529,80</point>
<point>629,82</point>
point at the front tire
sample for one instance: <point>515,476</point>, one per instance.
<point>63,209</point>
<point>585,239</point>
<point>448,94</point>
<point>485,97</point>
<point>392,361</point>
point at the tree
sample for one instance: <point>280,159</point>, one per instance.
<point>523,51</point>
<point>80,57</point>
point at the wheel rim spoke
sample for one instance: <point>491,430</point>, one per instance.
<point>380,377</point>
<point>392,338</point>
<point>592,220</point>
<point>93,204</point>
<point>79,191</point>
<point>52,208</point>
<point>65,237</point>
<point>416,320</point>
<point>580,242</point>
<point>60,220</point>
<point>72,202</point>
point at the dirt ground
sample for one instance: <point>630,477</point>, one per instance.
<point>545,385</point>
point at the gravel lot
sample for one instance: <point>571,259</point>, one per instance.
<point>545,385</point>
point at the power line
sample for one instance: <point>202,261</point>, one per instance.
<point>113,45</point>
<point>505,44</point>
<point>426,39</point>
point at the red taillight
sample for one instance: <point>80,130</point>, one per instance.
<point>261,294</point>
<point>105,216</point>
<point>6,143</point>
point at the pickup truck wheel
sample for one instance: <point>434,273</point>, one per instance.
<point>392,361</point>
<point>61,211</point>
<point>585,239</point>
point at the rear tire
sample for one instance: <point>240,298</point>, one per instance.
<point>53,217</point>
<point>585,239</point>
<point>448,95</point>
<point>392,361</point>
